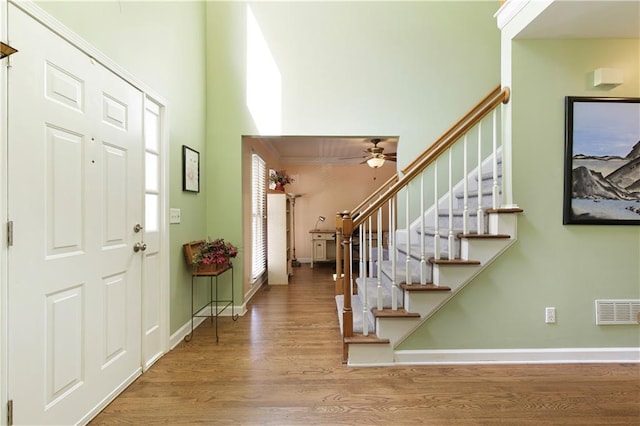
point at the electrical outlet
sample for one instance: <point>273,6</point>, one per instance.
<point>174,215</point>
<point>550,315</point>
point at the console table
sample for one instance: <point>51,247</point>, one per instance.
<point>323,245</point>
<point>216,306</point>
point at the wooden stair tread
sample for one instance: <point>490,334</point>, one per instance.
<point>453,261</point>
<point>390,313</point>
<point>426,287</point>
<point>506,210</point>
<point>484,236</point>
<point>361,339</point>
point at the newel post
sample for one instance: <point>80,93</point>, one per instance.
<point>346,229</point>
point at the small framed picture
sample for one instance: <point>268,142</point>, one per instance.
<point>190,169</point>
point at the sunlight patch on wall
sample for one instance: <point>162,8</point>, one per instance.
<point>264,82</point>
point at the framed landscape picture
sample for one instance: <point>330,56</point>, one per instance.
<point>602,161</point>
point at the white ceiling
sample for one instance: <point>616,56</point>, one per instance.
<point>586,19</point>
<point>325,149</point>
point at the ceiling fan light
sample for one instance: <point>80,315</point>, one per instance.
<point>375,162</point>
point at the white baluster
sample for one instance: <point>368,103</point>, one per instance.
<point>364,297</point>
<point>423,260</point>
<point>362,271</point>
<point>407,277</point>
<point>351,282</point>
<point>480,219</point>
<point>450,239</point>
<point>496,189</point>
<point>465,189</point>
<point>379,266</point>
<point>436,213</point>
<point>369,252</point>
<point>394,255</point>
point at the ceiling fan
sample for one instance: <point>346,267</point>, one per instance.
<point>376,157</point>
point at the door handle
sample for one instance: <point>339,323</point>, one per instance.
<point>137,228</point>
<point>139,246</point>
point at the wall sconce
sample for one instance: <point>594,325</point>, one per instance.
<point>320,219</point>
<point>6,50</point>
<point>375,162</point>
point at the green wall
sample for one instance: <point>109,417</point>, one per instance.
<point>162,44</point>
<point>346,68</point>
<point>566,267</point>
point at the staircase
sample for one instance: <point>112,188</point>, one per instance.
<point>454,231</point>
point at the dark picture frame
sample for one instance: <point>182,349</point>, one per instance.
<point>602,161</point>
<point>190,169</point>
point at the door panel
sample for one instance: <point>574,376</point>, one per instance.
<point>65,358</point>
<point>65,198</point>
<point>75,193</point>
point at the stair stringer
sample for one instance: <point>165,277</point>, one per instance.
<point>456,277</point>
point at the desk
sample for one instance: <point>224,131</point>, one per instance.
<point>323,245</point>
<point>214,309</point>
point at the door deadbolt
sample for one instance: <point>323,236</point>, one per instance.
<point>139,246</point>
<point>137,228</point>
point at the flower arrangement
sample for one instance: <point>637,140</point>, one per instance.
<point>280,178</point>
<point>216,252</point>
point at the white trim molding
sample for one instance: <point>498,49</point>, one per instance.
<point>518,356</point>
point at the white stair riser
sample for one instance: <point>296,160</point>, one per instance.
<point>395,328</point>
<point>370,354</point>
<point>425,302</point>
<point>454,276</point>
<point>504,224</point>
<point>483,250</point>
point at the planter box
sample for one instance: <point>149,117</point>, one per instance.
<point>191,249</point>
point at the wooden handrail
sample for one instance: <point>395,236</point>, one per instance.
<point>444,142</point>
<point>495,94</point>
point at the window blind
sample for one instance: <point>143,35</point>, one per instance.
<point>258,217</point>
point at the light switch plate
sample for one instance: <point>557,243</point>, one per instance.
<point>550,315</point>
<point>174,215</point>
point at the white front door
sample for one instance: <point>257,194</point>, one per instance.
<point>75,195</point>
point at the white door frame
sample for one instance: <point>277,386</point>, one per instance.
<point>3,220</point>
<point>149,95</point>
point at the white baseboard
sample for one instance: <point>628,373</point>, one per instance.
<point>251,293</point>
<point>518,356</point>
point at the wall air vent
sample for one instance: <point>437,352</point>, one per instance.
<point>614,312</point>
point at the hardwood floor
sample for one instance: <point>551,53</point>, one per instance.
<point>280,364</point>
